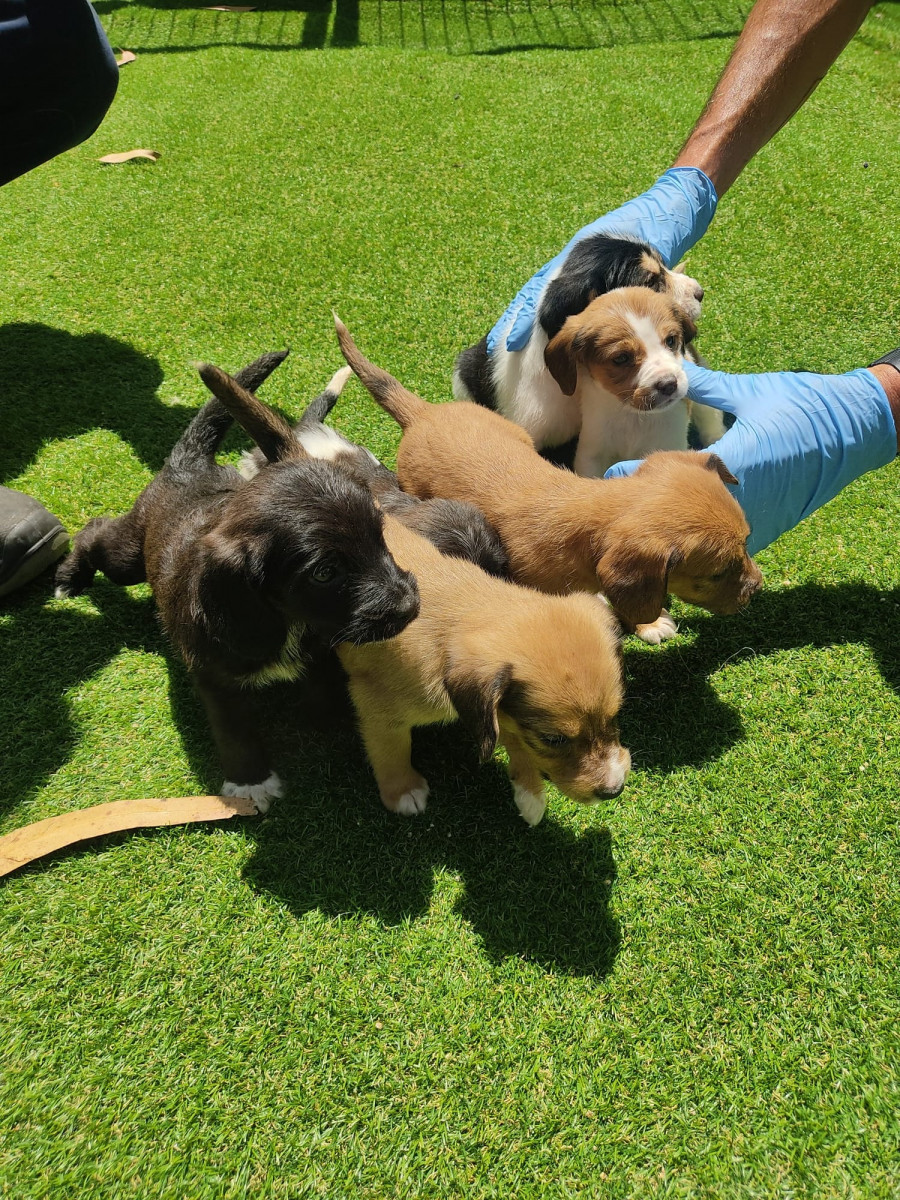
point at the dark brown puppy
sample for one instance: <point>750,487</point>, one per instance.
<point>243,571</point>
<point>671,527</point>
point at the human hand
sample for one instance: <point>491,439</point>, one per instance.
<point>671,216</point>
<point>797,440</point>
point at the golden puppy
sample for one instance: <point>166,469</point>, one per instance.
<point>672,526</point>
<point>540,674</point>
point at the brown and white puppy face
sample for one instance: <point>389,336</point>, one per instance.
<point>556,700</point>
<point>652,272</point>
<point>631,342</point>
<point>686,535</point>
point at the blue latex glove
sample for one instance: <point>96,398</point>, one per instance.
<point>671,216</point>
<point>797,440</point>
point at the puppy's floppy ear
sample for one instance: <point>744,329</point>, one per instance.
<point>688,328</point>
<point>231,573</point>
<point>272,434</point>
<point>714,463</point>
<point>634,579</point>
<point>561,356</point>
<point>475,697</point>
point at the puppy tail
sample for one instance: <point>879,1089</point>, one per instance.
<point>206,432</point>
<point>271,432</point>
<point>317,410</point>
<point>403,406</point>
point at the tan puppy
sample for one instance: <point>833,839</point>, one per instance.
<point>540,674</point>
<point>671,527</point>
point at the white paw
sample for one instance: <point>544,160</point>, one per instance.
<point>62,592</point>
<point>657,631</point>
<point>260,793</point>
<point>413,802</point>
<point>531,807</point>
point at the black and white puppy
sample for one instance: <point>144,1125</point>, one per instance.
<point>519,383</point>
<point>456,528</point>
<point>244,572</point>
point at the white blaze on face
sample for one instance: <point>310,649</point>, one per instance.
<point>661,364</point>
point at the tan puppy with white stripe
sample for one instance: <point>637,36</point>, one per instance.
<point>620,362</point>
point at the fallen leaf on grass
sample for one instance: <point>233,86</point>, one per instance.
<point>126,56</point>
<point>128,155</point>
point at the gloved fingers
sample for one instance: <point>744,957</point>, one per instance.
<point>620,469</point>
<point>671,216</point>
<point>717,389</point>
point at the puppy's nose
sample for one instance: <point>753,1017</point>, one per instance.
<point>698,293</point>
<point>609,793</point>
<point>667,385</point>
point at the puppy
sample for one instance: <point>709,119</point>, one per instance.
<point>244,572</point>
<point>540,674</point>
<point>672,526</point>
<point>523,385</point>
<point>457,529</point>
<point>619,363</point>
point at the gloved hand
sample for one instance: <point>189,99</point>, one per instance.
<point>671,216</point>
<point>797,440</point>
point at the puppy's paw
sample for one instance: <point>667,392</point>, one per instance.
<point>531,806</point>
<point>262,794</point>
<point>413,802</point>
<point>657,631</point>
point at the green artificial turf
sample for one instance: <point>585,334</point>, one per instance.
<point>691,991</point>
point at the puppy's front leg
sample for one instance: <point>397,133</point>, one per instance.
<point>389,746</point>
<point>528,787</point>
<point>244,757</point>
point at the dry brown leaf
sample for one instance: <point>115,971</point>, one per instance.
<point>126,56</point>
<point>44,837</point>
<point>128,155</point>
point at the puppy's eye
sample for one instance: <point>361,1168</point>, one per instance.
<point>621,360</point>
<point>718,577</point>
<point>325,573</point>
<point>672,341</point>
<point>554,739</point>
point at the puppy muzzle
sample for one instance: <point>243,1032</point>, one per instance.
<point>388,614</point>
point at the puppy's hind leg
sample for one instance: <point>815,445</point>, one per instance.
<point>113,545</point>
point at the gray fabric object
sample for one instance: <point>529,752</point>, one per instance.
<point>31,538</point>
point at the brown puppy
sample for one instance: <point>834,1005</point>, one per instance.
<point>540,674</point>
<point>672,526</point>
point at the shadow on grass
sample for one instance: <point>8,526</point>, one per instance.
<point>58,385</point>
<point>454,26</point>
<point>541,894</point>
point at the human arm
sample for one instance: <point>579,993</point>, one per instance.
<point>783,52</point>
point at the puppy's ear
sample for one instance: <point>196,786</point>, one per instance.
<point>679,270</point>
<point>634,579</point>
<point>475,697</point>
<point>688,328</point>
<point>714,463</point>
<point>561,357</point>
<point>272,434</point>
<point>231,570</point>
